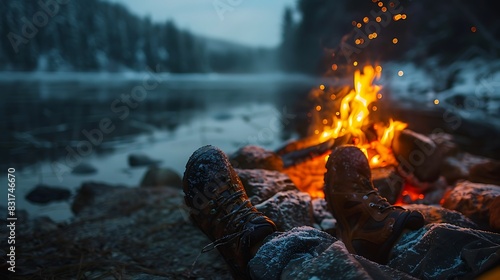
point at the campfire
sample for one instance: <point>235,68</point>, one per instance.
<point>342,116</point>
<point>407,167</point>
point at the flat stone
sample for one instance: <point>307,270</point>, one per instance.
<point>254,157</point>
<point>262,184</point>
<point>43,194</point>
<point>84,168</point>
<point>141,160</point>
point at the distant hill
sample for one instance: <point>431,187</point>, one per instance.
<point>93,35</point>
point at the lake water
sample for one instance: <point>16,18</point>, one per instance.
<point>52,122</point>
<point>49,117</point>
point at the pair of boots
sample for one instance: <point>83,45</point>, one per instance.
<point>367,224</point>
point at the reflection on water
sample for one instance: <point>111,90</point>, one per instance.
<point>101,119</point>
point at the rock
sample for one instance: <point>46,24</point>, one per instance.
<point>473,200</point>
<point>495,214</point>
<point>453,170</point>
<point>309,254</point>
<point>141,160</point>
<point>88,192</point>
<point>324,220</point>
<point>445,251</point>
<point>44,194</point>
<point>388,182</point>
<point>438,214</point>
<point>126,202</point>
<point>417,154</point>
<point>288,209</point>
<point>84,168</point>
<point>320,210</point>
<point>159,177</point>
<point>153,236</point>
<point>329,225</point>
<point>44,224</point>
<point>487,172</point>
<point>253,157</point>
<point>445,143</point>
<point>262,184</point>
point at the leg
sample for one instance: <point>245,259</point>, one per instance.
<point>367,224</point>
<point>220,207</point>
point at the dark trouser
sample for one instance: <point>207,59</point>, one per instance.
<point>436,251</point>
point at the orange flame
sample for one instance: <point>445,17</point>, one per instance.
<point>347,113</point>
<point>353,118</point>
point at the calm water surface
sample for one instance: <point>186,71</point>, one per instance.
<point>49,117</point>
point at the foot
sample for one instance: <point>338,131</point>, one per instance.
<point>221,209</point>
<point>367,224</point>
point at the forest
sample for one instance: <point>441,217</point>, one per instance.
<point>97,35</point>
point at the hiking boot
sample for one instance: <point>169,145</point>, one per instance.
<point>367,224</point>
<point>219,206</point>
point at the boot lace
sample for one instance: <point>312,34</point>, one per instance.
<point>236,217</point>
<point>382,204</point>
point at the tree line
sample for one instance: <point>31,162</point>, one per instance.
<point>94,35</point>
<point>326,32</point>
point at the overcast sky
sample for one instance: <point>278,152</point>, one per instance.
<point>250,22</point>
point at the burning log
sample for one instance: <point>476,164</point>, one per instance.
<point>297,156</point>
